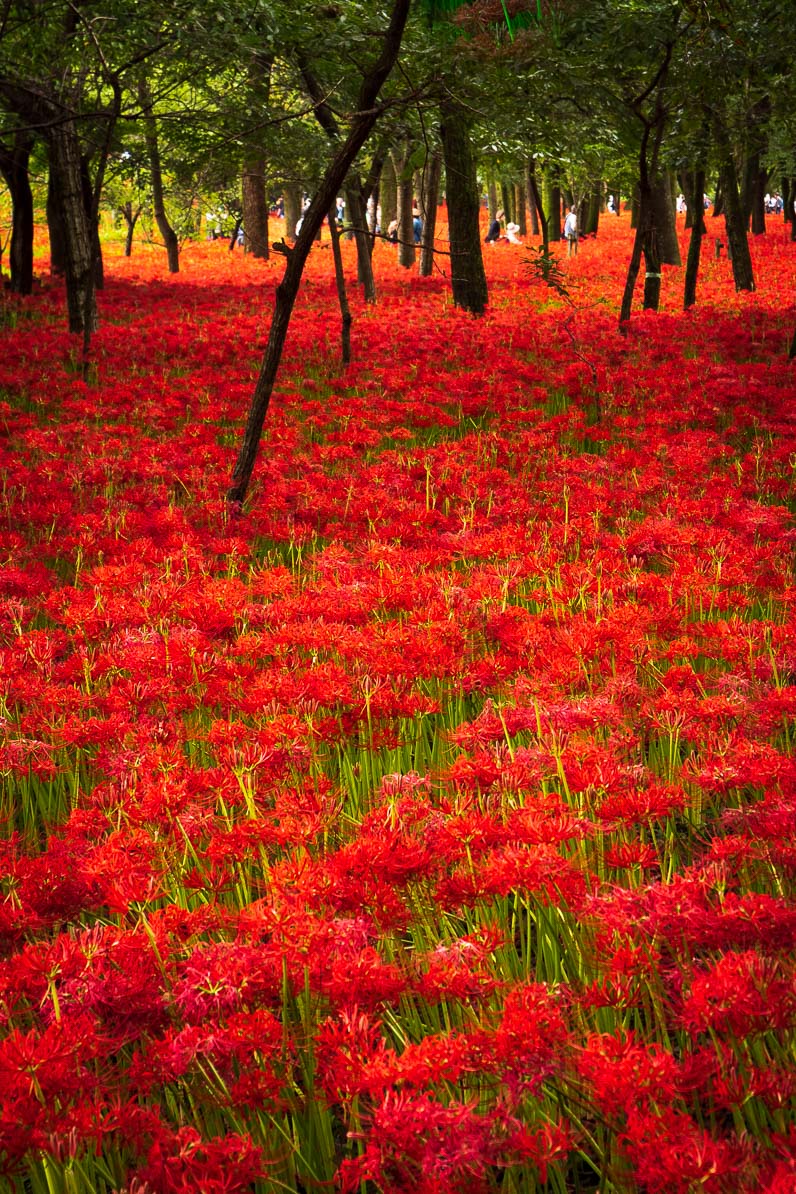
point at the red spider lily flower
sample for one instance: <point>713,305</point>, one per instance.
<point>741,993</point>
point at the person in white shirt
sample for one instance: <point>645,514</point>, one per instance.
<point>571,232</point>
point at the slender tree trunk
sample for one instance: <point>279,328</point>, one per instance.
<point>493,207</point>
<point>533,187</point>
<point>759,184</point>
<point>292,193</point>
<point>507,199</point>
<point>735,224</point>
<point>521,208</point>
<point>406,236</point>
<point>255,207</point>
<point>130,219</point>
<point>718,201</point>
<point>429,201</point>
<point>358,219</point>
<point>468,279</point>
<point>253,198</point>
<point>342,295</point>
<point>158,203</point>
<point>553,205</point>
<point>55,226</point>
<point>65,164</point>
<point>652,266</point>
<point>93,220</point>
<point>695,243</point>
<point>591,222</point>
<point>363,121</point>
<point>14,169</point>
<point>668,246</point>
<point>388,193</point>
<point>632,274</point>
<point>529,190</point>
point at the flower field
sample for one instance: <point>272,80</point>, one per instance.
<point>430,826</point>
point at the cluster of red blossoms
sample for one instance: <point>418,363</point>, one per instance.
<point>429,827</point>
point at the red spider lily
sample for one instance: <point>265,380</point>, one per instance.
<point>279,795</point>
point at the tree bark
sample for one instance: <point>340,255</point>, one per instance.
<point>14,169</point>
<point>521,208</point>
<point>507,200</point>
<point>366,115</point>
<point>529,171</point>
<point>695,243</point>
<point>342,295</point>
<point>406,237</point>
<point>93,222</point>
<point>158,203</point>
<point>429,201</point>
<point>493,207</point>
<point>735,224</point>
<point>253,198</point>
<point>554,212</point>
<point>663,217</point>
<point>468,279</point>
<point>358,219</point>
<point>130,219</point>
<point>533,187</point>
<point>255,207</point>
<point>55,227</point>
<point>388,194</point>
<point>68,196</point>
<point>292,194</point>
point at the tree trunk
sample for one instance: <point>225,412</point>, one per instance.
<point>406,236</point>
<point>358,219</point>
<point>668,247</point>
<point>388,194</point>
<point>521,208</point>
<point>529,171</point>
<point>130,219</point>
<point>65,164</point>
<point>591,221</point>
<point>554,212</point>
<point>255,207</point>
<point>93,220</point>
<point>759,184</point>
<point>14,169</point>
<point>158,204</point>
<point>507,200</point>
<point>429,201</point>
<point>632,274</point>
<point>468,279</point>
<point>693,184</point>
<point>718,201</point>
<point>254,204</point>
<point>650,246</point>
<point>538,208</point>
<point>493,207</point>
<point>55,227</point>
<point>292,193</point>
<point>697,187</point>
<point>365,117</point>
<point>735,224</point>
<point>339,278</point>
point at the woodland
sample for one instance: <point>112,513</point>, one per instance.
<point>397,629</point>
